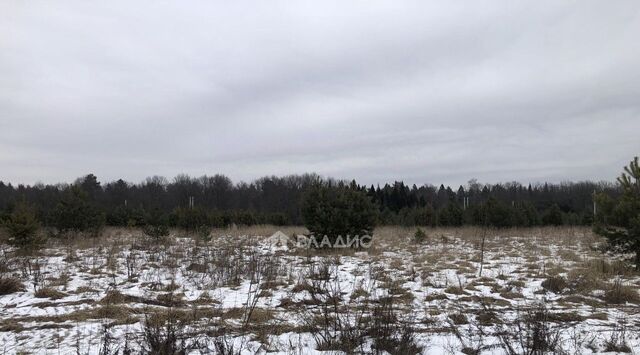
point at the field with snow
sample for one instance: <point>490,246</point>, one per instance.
<point>549,289</point>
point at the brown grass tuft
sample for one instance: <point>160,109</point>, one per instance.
<point>555,284</point>
<point>10,285</point>
<point>458,318</point>
<point>48,292</point>
<point>620,294</point>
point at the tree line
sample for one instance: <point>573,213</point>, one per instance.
<point>499,205</point>
<point>189,202</point>
<point>330,209</point>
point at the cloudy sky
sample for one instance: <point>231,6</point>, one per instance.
<point>425,92</point>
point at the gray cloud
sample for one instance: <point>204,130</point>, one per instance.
<point>377,91</point>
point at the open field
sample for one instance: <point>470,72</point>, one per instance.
<point>239,293</point>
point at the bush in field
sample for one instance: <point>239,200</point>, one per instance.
<point>157,225</point>
<point>156,231</point>
<point>621,223</point>
<point>75,212</point>
<point>334,211</point>
<point>420,236</point>
<point>23,226</point>
<point>204,234</point>
<point>586,218</point>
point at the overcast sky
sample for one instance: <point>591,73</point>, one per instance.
<point>425,92</point>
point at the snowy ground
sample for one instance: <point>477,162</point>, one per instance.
<point>239,292</point>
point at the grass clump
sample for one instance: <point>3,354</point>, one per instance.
<point>436,297</point>
<point>585,281</point>
<point>458,318</point>
<point>620,294</point>
<point>454,290</point>
<point>419,236</point>
<point>48,292</point>
<point>170,299</point>
<point>9,285</point>
<point>555,284</point>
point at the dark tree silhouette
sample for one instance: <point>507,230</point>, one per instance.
<point>338,211</point>
<point>279,200</point>
<point>75,212</point>
<point>622,224</point>
<point>22,226</point>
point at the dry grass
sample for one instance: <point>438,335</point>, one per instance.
<point>115,297</point>
<point>49,292</point>
<point>584,280</point>
<point>433,284</point>
<point>171,299</point>
<point>618,293</point>
<point>10,285</point>
<point>454,290</point>
<point>258,230</point>
<point>458,318</point>
<point>555,284</point>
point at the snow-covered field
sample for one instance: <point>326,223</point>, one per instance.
<point>239,293</point>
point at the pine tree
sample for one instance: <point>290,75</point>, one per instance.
<point>338,211</point>
<point>157,225</point>
<point>622,226</point>
<point>23,226</point>
<point>76,213</point>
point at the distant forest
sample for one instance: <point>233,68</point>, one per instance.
<point>217,201</point>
